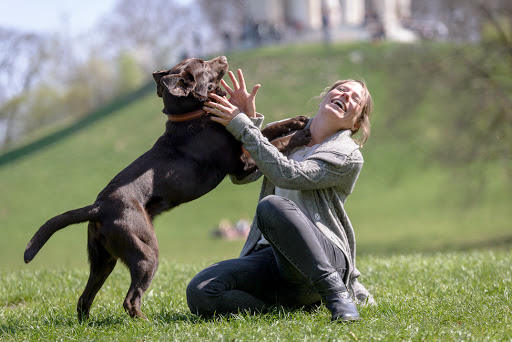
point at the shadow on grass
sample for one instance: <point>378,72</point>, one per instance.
<point>175,317</point>
<point>16,327</point>
<point>12,327</point>
<point>272,311</point>
<point>44,142</point>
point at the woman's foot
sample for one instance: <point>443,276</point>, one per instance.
<point>342,307</point>
<point>336,298</point>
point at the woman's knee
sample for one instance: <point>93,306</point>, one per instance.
<point>199,296</point>
<point>278,213</point>
<point>269,208</point>
<point>269,203</point>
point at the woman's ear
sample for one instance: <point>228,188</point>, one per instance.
<point>356,126</point>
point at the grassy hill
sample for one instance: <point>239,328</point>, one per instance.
<point>403,201</point>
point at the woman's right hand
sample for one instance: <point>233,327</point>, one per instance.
<point>239,97</point>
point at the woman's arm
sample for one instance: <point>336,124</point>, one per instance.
<point>254,176</point>
<point>312,173</point>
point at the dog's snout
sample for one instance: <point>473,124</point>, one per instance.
<point>223,59</point>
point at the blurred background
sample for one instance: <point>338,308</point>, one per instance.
<point>78,104</point>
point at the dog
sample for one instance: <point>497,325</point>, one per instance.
<point>190,159</point>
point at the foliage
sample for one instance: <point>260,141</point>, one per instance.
<point>472,82</point>
<point>459,96</point>
<point>128,75</point>
<point>144,28</point>
<point>466,78</point>
<point>24,58</point>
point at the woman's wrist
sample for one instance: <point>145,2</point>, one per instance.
<point>237,125</point>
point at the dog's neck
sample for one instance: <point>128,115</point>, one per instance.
<point>187,116</point>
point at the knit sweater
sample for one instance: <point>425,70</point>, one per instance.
<point>325,179</point>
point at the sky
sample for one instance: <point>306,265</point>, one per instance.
<point>49,16</point>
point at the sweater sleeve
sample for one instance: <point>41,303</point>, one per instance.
<point>312,173</point>
<point>254,176</point>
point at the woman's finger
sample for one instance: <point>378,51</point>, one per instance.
<point>228,109</point>
<point>214,111</point>
<point>211,104</point>
<point>223,122</point>
<point>236,86</point>
<point>241,79</point>
<point>255,90</point>
<point>221,100</point>
<point>227,87</point>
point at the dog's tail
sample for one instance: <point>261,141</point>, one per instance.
<point>44,233</point>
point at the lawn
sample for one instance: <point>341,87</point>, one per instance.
<point>458,296</point>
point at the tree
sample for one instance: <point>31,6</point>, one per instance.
<point>150,29</point>
<point>471,81</point>
<point>225,19</point>
<point>23,60</point>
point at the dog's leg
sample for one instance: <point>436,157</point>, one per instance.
<point>142,260</point>
<point>279,128</point>
<point>101,265</point>
<point>290,141</point>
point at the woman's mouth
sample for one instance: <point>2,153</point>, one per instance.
<point>340,104</point>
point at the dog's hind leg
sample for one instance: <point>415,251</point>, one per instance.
<point>142,260</point>
<point>101,265</point>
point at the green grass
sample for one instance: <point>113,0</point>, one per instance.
<point>461,296</point>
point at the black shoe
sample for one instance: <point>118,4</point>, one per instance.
<point>334,294</point>
<point>342,307</point>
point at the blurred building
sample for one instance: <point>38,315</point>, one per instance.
<point>348,19</point>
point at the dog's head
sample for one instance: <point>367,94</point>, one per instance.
<point>186,86</point>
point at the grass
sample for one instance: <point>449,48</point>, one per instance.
<point>441,296</point>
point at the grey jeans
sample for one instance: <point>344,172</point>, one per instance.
<point>279,273</point>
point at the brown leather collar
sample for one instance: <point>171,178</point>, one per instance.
<point>187,116</point>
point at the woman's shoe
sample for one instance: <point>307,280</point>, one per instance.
<point>342,307</point>
<point>336,298</point>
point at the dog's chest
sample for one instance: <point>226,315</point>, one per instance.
<point>213,148</point>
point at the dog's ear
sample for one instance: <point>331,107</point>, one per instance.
<point>157,76</point>
<point>179,84</point>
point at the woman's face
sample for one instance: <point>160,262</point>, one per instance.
<point>342,105</point>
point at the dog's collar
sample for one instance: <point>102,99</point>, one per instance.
<point>187,116</point>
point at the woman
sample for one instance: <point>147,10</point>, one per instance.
<point>301,246</point>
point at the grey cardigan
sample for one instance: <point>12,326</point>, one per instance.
<point>325,179</point>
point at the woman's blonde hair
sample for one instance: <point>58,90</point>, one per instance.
<point>366,109</point>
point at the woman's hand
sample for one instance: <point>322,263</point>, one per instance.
<point>223,111</point>
<point>239,97</point>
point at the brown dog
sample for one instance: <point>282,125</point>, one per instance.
<point>187,161</point>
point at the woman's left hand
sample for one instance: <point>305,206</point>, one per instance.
<point>222,110</point>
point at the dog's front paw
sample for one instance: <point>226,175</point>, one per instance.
<point>298,122</point>
<point>299,138</point>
